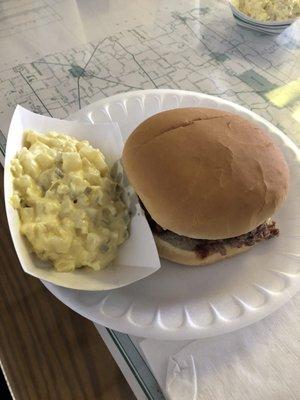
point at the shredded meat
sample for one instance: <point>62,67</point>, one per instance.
<point>204,247</point>
<point>266,231</point>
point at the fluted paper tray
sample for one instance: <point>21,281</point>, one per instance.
<point>137,257</point>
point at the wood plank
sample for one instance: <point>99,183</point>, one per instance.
<point>48,351</point>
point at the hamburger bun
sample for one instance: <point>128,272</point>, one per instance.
<point>205,173</point>
<point>170,252</point>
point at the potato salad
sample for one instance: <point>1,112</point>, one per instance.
<point>269,10</point>
<point>70,208</point>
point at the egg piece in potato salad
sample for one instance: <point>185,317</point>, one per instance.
<point>69,206</point>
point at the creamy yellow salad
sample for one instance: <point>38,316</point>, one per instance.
<point>69,206</point>
<point>269,10</point>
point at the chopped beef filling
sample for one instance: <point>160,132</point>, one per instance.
<point>204,247</point>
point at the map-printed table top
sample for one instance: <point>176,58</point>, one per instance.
<point>165,45</point>
<point>58,56</point>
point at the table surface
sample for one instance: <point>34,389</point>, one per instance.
<point>60,55</point>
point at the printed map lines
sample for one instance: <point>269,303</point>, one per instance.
<point>2,143</point>
<point>181,52</point>
<point>112,81</point>
<point>138,63</point>
<point>35,93</point>
<point>184,20</point>
<point>50,63</point>
<point>234,47</point>
<point>83,72</point>
<point>78,93</point>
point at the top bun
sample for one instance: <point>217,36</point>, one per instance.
<point>205,173</point>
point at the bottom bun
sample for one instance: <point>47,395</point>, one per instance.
<point>189,257</point>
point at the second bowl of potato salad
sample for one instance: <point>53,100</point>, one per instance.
<point>266,16</point>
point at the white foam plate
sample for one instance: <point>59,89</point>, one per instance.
<point>180,302</point>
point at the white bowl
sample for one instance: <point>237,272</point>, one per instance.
<point>269,27</point>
